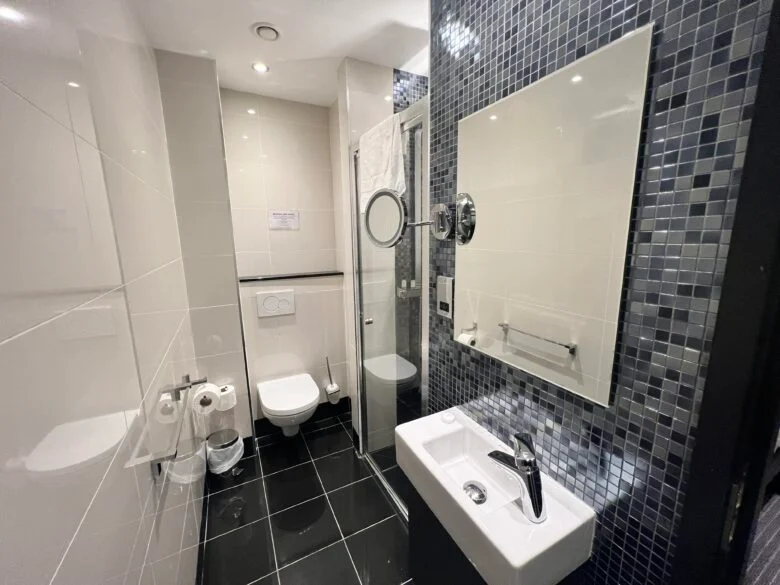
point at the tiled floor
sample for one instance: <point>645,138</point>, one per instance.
<point>385,460</point>
<point>306,511</point>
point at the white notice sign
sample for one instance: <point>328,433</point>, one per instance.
<point>283,220</point>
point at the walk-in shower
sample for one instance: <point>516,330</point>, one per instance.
<point>391,277</point>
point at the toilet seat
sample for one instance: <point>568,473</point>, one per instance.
<point>391,368</point>
<point>288,396</point>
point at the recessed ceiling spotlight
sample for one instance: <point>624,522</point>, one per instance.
<point>8,13</point>
<point>251,111</point>
<point>73,84</point>
<point>260,67</point>
<point>576,79</point>
<point>203,51</point>
<point>266,31</point>
<point>388,98</point>
<point>494,117</point>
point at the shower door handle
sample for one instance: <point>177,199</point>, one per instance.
<point>369,321</point>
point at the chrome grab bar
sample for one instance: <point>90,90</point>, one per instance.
<point>571,347</point>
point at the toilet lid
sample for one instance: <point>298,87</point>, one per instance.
<point>391,368</point>
<point>289,395</point>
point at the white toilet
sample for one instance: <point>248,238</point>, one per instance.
<point>288,402</point>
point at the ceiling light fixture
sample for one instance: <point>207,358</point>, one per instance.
<point>576,79</point>
<point>260,67</point>
<point>251,111</point>
<point>8,13</point>
<point>388,98</point>
<point>266,31</point>
<point>73,84</point>
<point>494,117</point>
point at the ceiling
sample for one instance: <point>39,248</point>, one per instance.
<point>315,36</point>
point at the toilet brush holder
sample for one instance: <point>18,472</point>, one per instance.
<point>332,389</point>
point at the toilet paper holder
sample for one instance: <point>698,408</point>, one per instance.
<point>176,392</point>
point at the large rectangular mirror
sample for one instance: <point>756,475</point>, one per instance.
<point>551,170</point>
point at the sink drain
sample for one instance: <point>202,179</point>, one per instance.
<point>476,491</point>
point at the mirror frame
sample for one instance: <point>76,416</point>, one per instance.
<point>402,211</point>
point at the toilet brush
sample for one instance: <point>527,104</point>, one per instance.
<point>332,388</point>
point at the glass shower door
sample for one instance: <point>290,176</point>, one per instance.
<point>391,285</point>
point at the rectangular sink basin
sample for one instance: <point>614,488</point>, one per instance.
<point>441,452</point>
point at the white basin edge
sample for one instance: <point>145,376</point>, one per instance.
<point>524,557</point>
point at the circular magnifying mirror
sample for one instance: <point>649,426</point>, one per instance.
<point>386,218</point>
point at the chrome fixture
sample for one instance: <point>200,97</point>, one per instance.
<point>571,347</point>
<point>465,218</point>
<point>186,384</point>
<point>441,226</point>
<point>523,466</point>
<point>476,492</point>
<point>472,329</point>
<point>386,218</point>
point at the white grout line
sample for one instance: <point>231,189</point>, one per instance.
<point>332,511</point>
<point>86,512</point>
<point>309,461</point>
<point>268,510</point>
<point>311,554</point>
<point>390,517</point>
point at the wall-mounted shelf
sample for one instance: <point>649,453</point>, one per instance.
<point>270,277</point>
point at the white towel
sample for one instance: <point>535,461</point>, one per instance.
<point>381,163</point>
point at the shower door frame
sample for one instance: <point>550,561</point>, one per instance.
<point>413,118</point>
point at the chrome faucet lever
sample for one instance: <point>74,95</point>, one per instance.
<point>524,466</point>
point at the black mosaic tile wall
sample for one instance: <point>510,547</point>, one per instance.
<point>628,461</point>
<point>407,89</point>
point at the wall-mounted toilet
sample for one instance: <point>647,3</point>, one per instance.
<point>288,402</point>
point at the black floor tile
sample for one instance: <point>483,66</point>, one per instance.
<point>381,553</point>
<point>327,410</point>
<point>269,580</point>
<point>385,458</point>
<point>249,447</point>
<point>327,441</point>
<point>315,425</point>
<point>245,470</point>
<point>399,482</point>
<point>239,557</point>
<point>235,507</point>
<point>302,530</point>
<point>283,453</point>
<point>330,566</point>
<point>346,417</point>
<point>339,469</point>
<point>292,486</point>
<point>264,427</point>
<point>359,505</point>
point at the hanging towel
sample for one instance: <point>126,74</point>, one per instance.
<point>381,163</point>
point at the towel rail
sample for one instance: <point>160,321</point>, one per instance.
<point>571,347</point>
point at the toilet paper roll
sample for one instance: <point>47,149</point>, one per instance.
<point>205,399</point>
<point>227,397</point>
<point>166,412</point>
<point>467,339</point>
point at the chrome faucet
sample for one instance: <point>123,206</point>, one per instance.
<point>524,467</point>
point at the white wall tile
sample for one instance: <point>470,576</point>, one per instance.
<point>279,159</point>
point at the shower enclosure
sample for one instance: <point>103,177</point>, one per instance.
<point>391,282</point>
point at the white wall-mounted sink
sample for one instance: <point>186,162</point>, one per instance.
<point>441,452</point>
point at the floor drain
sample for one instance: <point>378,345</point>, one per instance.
<point>476,491</point>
